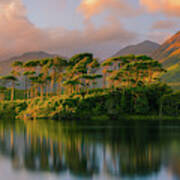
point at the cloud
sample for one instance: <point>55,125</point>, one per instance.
<point>168,7</point>
<point>164,25</point>
<point>19,35</point>
<point>159,36</point>
<point>91,8</point>
<point>102,41</point>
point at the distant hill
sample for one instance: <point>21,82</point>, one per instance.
<point>145,47</point>
<point>169,55</point>
<point>5,65</point>
<point>169,52</point>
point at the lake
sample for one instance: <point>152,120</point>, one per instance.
<point>130,150</point>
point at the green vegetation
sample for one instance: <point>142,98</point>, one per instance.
<point>57,88</point>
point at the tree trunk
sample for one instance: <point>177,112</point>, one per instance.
<point>150,76</point>
<point>53,81</point>
<point>47,90</point>
<point>161,106</point>
<point>52,85</point>
<point>12,91</point>
<point>60,90</point>
<point>31,92</point>
<point>104,81</point>
<point>42,90</point>
<point>36,91</point>
<point>25,88</point>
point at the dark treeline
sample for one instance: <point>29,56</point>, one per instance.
<point>81,86</point>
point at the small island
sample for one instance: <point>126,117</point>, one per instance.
<point>82,88</point>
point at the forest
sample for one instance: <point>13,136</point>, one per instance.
<point>82,87</point>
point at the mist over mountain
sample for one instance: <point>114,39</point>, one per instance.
<point>5,65</point>
<point>146,47</point>
<point>168,54</point>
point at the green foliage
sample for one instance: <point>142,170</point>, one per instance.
<point>112,104</point>
<point>141,104</point>
<point>17,64</point>
<point>171,104</point>
<point>32,63</point>
<point>9,110</point>
<point>131,70</point>
<point>77,58</point>
<point>9,78</point>
<point>56,88</point>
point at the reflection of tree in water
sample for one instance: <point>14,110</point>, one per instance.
<point>43,156</point>
<point>53,147</point>
<point>174,160</point>
<point>141,153</point>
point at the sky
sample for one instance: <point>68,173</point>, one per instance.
<point>68,27</point>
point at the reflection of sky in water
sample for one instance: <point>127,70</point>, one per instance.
<point>7,173</point>
<point>28,152</point>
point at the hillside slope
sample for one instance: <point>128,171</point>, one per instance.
<point>169,55</point>
<point>145,47</point>
<point>169,52</point>
<point>5,65</point>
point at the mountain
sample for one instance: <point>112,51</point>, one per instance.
<point>5,65</point>
<point>169,52</point>
<point>169,55</point>
<point>145,47</point>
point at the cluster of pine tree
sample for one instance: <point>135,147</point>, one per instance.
<point>57,76</point>
<point>82,87</point>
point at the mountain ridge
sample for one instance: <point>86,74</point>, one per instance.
<point>146,47</point>
<point>30,54</point>
<point>169,55</point>
<point>169,52</point>
<point>5,65</point>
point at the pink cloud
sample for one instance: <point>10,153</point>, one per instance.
<point>19,35</point>
<point>164,25</point>
<point>90,8</point>
<point>168,7</point>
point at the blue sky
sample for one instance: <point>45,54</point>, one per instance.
<point>72,26</point>
<point>54,13</point>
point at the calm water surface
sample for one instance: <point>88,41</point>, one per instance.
<point>43,150</point>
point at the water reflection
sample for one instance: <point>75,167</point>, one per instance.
<point>132,151</point>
